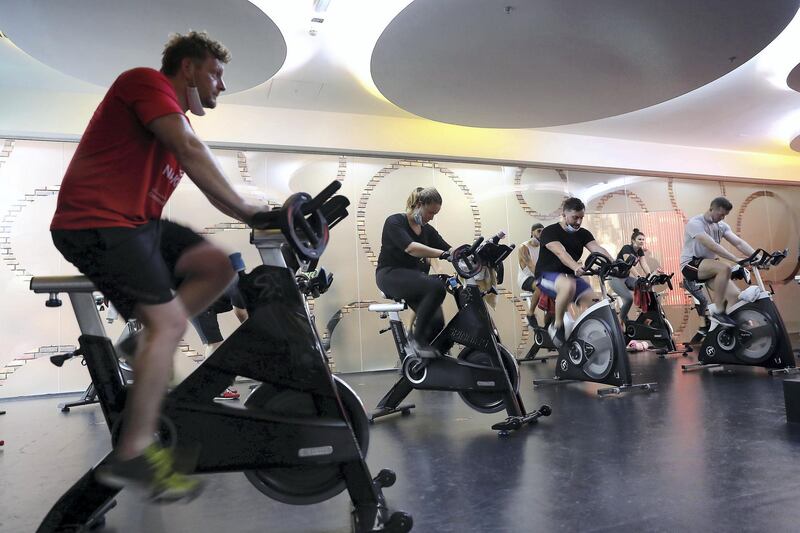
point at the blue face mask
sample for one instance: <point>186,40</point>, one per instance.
<point>570,229</point>
<point>417,216</point>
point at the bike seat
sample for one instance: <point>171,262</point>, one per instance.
<point>385,308</point>
<point>57,284</point>
<point>399,305</point>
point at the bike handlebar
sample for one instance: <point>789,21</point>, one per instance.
<point>468,259</point>
<point>599,265</point>
<point>761,258</point>
<point>654,278</point>
<point>305,221</point>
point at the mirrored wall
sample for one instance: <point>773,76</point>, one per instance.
<point>478,200</point>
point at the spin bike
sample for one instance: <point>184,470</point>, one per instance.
<point>652,324</point>
<point>90,394</point>
<point>696,290</point>
<point>595,346</point>
<point>484,373</point>
<point>302,435</point>
<point>760,337</point>
<point>540,338</point>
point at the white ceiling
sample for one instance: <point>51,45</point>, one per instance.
<point>749,108</point>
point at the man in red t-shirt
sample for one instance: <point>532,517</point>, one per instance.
<point>108,224</point>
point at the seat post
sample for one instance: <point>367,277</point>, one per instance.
<point>269,243</point>
<point>86,313</point>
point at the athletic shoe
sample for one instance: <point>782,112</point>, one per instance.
<point>723,320</point>
<point>153,471</point>
<point>532,322</point>
<point>750,294</point>
<point>556,335</point>
<point>229,394</point>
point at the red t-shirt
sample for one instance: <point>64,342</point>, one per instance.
<point>121,175</point>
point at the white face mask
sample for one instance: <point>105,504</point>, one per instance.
<point>195,104</point>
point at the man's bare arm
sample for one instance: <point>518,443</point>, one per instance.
<point>200,165</point>
<point>592,246</point>
<point>524,257</point>
<point>718,249</point>
<point>739,243</point>
<point>558,249</point>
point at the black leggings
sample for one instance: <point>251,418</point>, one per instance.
<point>423,293</point>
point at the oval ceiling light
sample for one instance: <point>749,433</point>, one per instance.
<point>553,62</point>
<point>793,79</point>
<point>95,40</point>
<point>795,144</point>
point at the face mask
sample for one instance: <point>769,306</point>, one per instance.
<point>570,229</point>
<point>417,216</point>
<point>195,104</point>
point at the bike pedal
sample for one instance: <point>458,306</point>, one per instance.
<point>509,424</point>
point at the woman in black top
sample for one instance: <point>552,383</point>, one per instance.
<point>624,287</point>
<point>408,243</point>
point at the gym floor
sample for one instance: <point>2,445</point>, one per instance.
<point>710,451</point>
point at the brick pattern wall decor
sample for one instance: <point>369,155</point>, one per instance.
<point>518,187</point>
<point>7,370</point>
<point>5,150</point>
<point>361,211</point>
<point>746,203</point>
<point>244,171</point>
<point>601,202</point>
<point>673,201</point>
<point>7,226</point>
<point>341,172</point>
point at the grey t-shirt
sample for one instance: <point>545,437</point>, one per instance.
<point>692,247</point>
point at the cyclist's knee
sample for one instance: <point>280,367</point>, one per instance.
<point>435,288</point>
<point>166,324</point>
<point>565,286</point>
<point>723,269</point>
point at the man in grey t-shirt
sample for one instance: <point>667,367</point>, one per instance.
<point>699,257</point>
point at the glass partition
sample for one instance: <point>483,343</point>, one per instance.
<point>478,200</point>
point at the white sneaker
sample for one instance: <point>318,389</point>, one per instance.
<point>750,294</point>
<point>558,342</point>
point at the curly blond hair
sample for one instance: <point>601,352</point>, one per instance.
<point>196,45</point>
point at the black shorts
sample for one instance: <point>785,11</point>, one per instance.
<point>690,271</point>
<point>529,284</point>
<point>207,326</point>
<point>129,265</point>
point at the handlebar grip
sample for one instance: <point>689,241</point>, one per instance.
<point>474,246</point>
<point>752,258</point>
<point>265,219</point>
<point>316,202</point>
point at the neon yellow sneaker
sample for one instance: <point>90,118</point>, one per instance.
<point>153,471</point>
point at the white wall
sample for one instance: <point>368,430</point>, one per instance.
<point>65,115</point>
